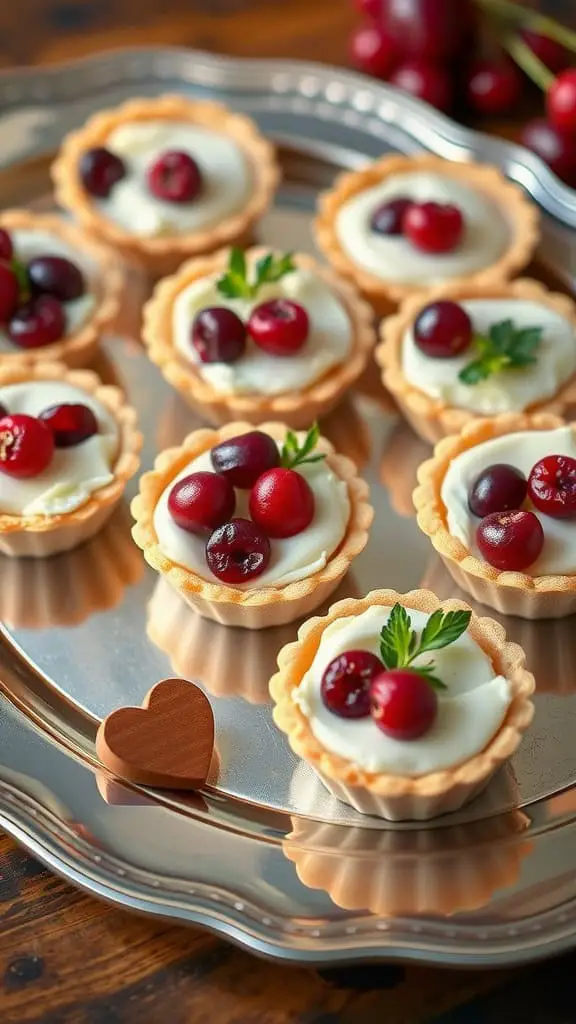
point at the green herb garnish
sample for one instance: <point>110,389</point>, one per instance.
<point>235,283</point>
<point>20,272</point>
<point>505,347</point>
<point>294,454</point>
<point>399,643</point>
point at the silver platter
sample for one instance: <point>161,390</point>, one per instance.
<point>264,855</point>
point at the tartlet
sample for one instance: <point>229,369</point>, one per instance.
<point>165,244</point>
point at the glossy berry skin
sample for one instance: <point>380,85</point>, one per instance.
<point>243,459</point>
<point>345,687</point>
<point>433,227</point>
<point>282,502</point>
<point>404,705</point>
<point>433,29</point>
<point>499,488</point>
<point>218,335</point>
<point>387,218</point>
<point>371,51</point>
<point>426,81</point>
<point>493,87</point>
<point>6,246</point>
<point>201,501</point>
<point>175,177</point>
<point>561,101</point>
<point>71,423</point>
<point>57,276</point>
<point>443,330</point>
<point>280,327</point>
<point>26,446</point>
<point>238,551</point>
<point>40,322</point>
<point>554,147</point>
<point>551,53</point>
<point>9,292</point>
<point>510,541</point>
<point>552,486</point>
<point>100,170</point>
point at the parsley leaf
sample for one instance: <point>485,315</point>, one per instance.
<point>400,646</point>
<point>504,348</point>
<point>235,283</point>
<point>295,454</point>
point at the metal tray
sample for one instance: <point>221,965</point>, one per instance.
<point>264,855</point>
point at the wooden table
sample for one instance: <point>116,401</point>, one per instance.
<point>67,959</point>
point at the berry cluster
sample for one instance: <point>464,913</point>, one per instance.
<point>174,177</point>
<point>430,227</point>
<point>27,443</point>
<point>279,327</point>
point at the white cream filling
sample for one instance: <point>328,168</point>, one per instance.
<point>74,473</point>
<point>521,450</point>
<point>470,710</point>
<point>394,258</point>
<point>225,170</point>
<point>292,558</point>
<point>257,372</point>
<point>510,390</point>
<point>30,243</point>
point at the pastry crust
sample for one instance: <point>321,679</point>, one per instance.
<point>298,409</point>
<point>521,215</point>
<point>254,608</point>
<point>394,796</point>
<point>162,254</point>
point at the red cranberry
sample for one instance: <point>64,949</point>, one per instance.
<point>443,330</point>
<point>551,53</point>
<point>371,51</point>
<point>279,326</point>
<point>561,101</point>
<point>238,551</point>
<point>499,488</point>
<point>433,227</point>
<point>9,291</point>
<point>6,246</point>
<point>434,29</point>
<point>554,147</point>
<point>282,502</point>
<point>40,322</point>
<point>387,218</point>
<point>510,541</point>
<point>71,423</point>
<point>346,682</point>
<point>404,705</point>
<point>370,8</point>
<point>201,501</point>
<point>56,276</point>
<point>426,81</point>
<point>100,170</point>
<point>175,177</point>
<point>493,88</point>
<point>244,458</point>
<point>552,486</point>
<point>26,446</point>
<point>218,335</point>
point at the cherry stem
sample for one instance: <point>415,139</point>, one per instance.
<point>539,23</point>
<point>527,60</point>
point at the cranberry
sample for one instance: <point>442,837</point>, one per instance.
<point>387,218</point>
<point>404,705</point>
<point>175,177</point>
<point>201,502</point>
<point>9,291</point>
<point>371,51</point>
<point>510,540</point>
<point>280,327</point>
<point>499,488</point>
<point>370,8</point>
<point>6,247</point>
<point>346,682</point>
<point>218,335</point>
<point>492,87</point>
<point>100,170</point>
<point>552,486</point>
<point>443,330</point>
<point>561,101</point>
<point>434,29</point>
<point>433,227</point>
<point>244,458</point>
<point>70,423</point>
<point>238,551</point>
<point>426,81</point>
<point>551,53</point>
<point>556,148</point>
<point>56,276</point>
<point>26,446</point>
<point>282,502</point>
<point>40,322</point>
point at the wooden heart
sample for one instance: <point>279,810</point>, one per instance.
<point>167,743</point>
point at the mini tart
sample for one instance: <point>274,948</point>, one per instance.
<point>520,214</point>
<point>252,608</point>
<point>162,254</point>
<point>296,408</point>
<point>431,418</point>
<point>390,796</point>
<point>41,535</point>
<point>79,347</point>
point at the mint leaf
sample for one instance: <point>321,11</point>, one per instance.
<point>396,638</point>
<point>272,268</point>
<point>474,372</point>
<point>442,629</point>
<point>400,646</point>
<point>504,348</point>
<point>295,454</point>
<point>234,283</point>
<point>427,673</point>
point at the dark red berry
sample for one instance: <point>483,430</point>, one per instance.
<point>6,246</point>
<point>493,87</point>
<point>370,8</point>
<point>218,335</point>
<point>40,322</point>
<point>371,51</point>
<point>551,53</point>
<point>201,501</point>
<point>345,686</point>
<point>9,292</point>
<point>57,276</point>
<point>175,177</point>
<point>70,423</point>
<point>100,170</point>
<point>433,227</point>
<point>3,411</point>
<point>511,541</point>
<point>434,29</point>
<point>561,101</point>
<point>26,446</point>
<point>443,330</point>
<point>238,551</point>
<point>387,218</point>
<point>426,81</point>
<point>404,705</point>
<point>279,326</point>
<point>499,488</point>
<point>552,486</point>
<point>282,502</point>
<point>554,147</point>
<point>244,458</point>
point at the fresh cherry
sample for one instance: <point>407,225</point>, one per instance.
<point>387,218</point>
<point>40,322</point>
<point>175,177</point>
<point>499,488</point>
<point>6,246</point>
<point>9,291</point>
<point>552,486</point>
<point>511,541</point>
<point>561,101</point>
<point>280,327</point>
<point>26,446</point>
<point>551,53</point>
<point>238,551</point>
<point>404,705</point>
<point>71,423</point>
<point>100,170</point>
<point>371,51</point>
<point>282,502</point>
<point>556,148</point>
<point>426,81</point>
<point>433,227</point>
<point>201,502</point>
<point>345,686</point>
<point>218,335</point>
<point>443,330</point>
<point>493,87</point>
<point>434,29</point>
<point>244,458</point>
<point>57,276</point>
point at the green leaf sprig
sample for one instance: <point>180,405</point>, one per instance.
<point>505,347</point>
<point>400,646</point>
<point>236,283</point>
<point>294,454</point>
